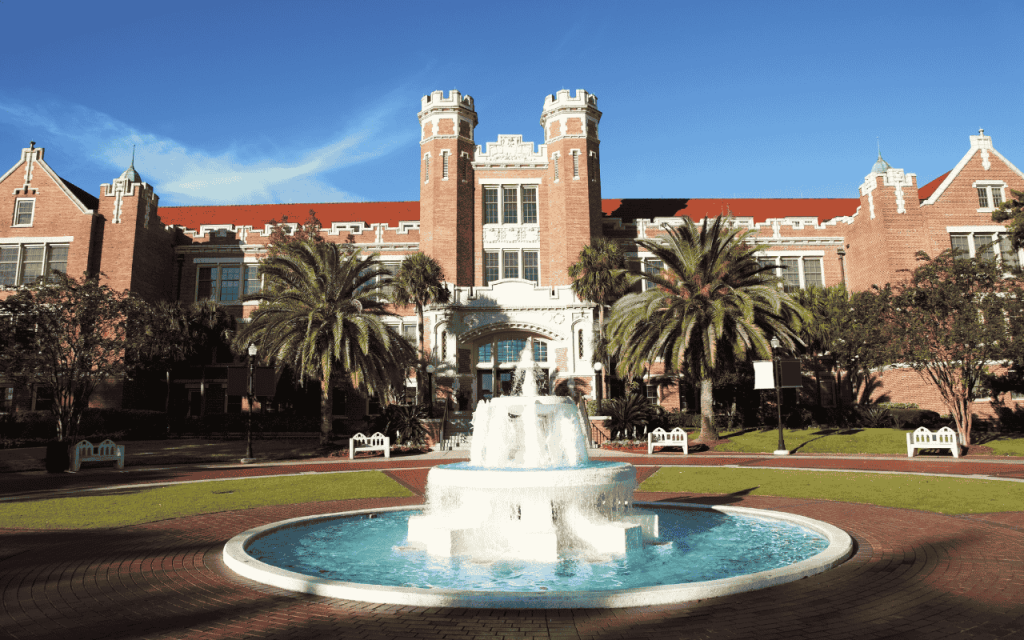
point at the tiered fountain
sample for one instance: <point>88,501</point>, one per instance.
<point>531,522</point>
<point>530,491</point>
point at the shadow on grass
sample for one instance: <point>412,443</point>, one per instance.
<point>724,499</point>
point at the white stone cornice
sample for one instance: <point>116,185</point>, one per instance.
<point>510,150</point>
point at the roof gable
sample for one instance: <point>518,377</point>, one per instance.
<point>980,144</point>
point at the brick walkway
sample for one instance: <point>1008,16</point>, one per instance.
<point>914,575</point>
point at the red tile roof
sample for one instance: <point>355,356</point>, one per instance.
<point>628,209</point>
<point>257,215</point>
<point>760,209</point>
<point>925,192</point>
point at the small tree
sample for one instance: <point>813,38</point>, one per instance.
<point>598,277</point>
<point>68,335</point>
<point>949,321</point>
<point>420,282</point>
<point>1013,210</point>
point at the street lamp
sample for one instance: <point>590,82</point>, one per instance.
<point>782,450</point>
<point>248,430</point>
<point>599,380</point>
<point>430,391</point>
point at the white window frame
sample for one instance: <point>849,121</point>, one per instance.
<point>19,265</point>
<point>646,263</point>
<point>520,257</point>
<point>521,186</point>
<point>17,205</point>
<point>799,256</point>
<point>973,249</point>
<point>575,164</point>
<point>554,160</point>
<point>426,168</point>
<point>992,187</point>
<point>445,154</point>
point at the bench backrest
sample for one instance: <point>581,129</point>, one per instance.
<point>658,432</point>
<point>945,435</point>
<point>377,438</point>
<point>678,432</point>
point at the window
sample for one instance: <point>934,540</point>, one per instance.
<point>409,333</point>
<point>575,164</point>
<point>490,266</point>
<point>490,205</point>
<point>444,345</point>
<point>6,399</point>
<point>483,353</point>
<point>509,350</point>
<point>652,267</point>
<point>530,266</point>
<point>556,167</point>
<point>253,281</point>
<point>444,165</point>
<point>540,351</point>
<point>529,205</point>
<point>795,272</point>
<point>24,264</point>
<point>652,393</point>
<point>580,342</point>
<point>790,274</point>
<point>499,265</point>
<point>987,245</point>
<point>812,273</point>
<point>23,210</point>
<point>511,260</point>
<point>518,204</point>
<point>990,196</point>
<point>426,168</point>
<point>510,206</point>
<point>221,283</point>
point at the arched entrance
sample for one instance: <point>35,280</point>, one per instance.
<point>495,357</point>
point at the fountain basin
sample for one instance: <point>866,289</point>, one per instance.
<point>839,547</point>
<point>531,514</point>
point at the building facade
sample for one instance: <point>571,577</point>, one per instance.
<point>505,220</point>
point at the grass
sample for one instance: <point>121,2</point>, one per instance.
<point>1007,446</point>
<point>141,504</point>
<point>891,441</point>
<point>951,496</point>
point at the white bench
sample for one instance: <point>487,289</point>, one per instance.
<point>376,442</point>
<point>944,438</point>
<point>105,451</point>
<point>660,438</point>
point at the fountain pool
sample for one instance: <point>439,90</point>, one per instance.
<point>531,522</point>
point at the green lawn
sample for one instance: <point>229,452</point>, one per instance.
<point>925,493</point>
<point>891,441</point>
<point>1007,446</point>
<point>140,504</point>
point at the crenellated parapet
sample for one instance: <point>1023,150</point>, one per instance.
<point>510,151</point>
<point>570,116</point>
<point>447,117</point>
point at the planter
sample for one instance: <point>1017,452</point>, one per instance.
<point>58,459</point>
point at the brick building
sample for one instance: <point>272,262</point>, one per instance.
<point>505,220</point>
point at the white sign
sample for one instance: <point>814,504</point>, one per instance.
<point>764,376</point>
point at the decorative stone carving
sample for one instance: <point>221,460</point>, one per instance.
<point>510,149</point>
<point>518,235</point>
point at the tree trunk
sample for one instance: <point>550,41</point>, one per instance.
<point>708,430</point>
<point>326,409</point>
<point>604,365</point>
<point>421,372</point>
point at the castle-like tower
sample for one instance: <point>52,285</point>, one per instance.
<point>574,179</point>
<point>447,222</point>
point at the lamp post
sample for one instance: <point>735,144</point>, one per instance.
<point>599,380</point>
<point>782,450</point>
<point>430,391</point>
<point>248,429</point>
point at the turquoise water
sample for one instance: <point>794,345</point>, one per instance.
<point>695,545</point>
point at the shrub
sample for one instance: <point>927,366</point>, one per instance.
<point>898,405</point>
<point>630,416</point>
<point>874,417</point>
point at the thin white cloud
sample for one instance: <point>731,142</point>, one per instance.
<point>185,175</point>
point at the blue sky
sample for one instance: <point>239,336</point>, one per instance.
<point>263,102</point>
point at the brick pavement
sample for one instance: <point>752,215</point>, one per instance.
<point>914,575</point>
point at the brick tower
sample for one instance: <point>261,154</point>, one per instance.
<point>888,229</point>
<point>573,178</point>
<point>138,252</point>
<point>446,183</point>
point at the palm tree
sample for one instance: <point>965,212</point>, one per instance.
<point>711,305</point>
<point>325,312</point>
<point>419,281</point>
<point>598,277</point>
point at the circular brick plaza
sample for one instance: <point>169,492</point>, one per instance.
<point>914,575</point>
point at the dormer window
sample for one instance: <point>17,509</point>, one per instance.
<point>23,212</point>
